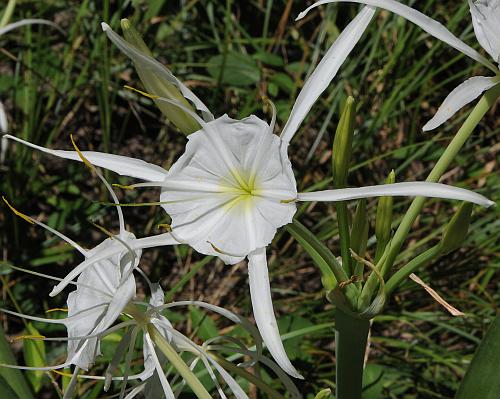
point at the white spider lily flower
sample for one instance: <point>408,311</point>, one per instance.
<point>105,283</point>
<point>155,382</point>
<point>234,186</point>
<point>486,22</point>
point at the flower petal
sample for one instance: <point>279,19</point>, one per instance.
<point>413,189</point>
<point>122,165</point>
<point>4,123</point>
<point>260,293</point>
<point>167,390</point>
<point>429,25</point>
<point>159,240</point>
<point>151,65</point>
<point>486,22</point>
<point>462,95</point>
<point>23,22</point>
<point>104,251</point>
<point>326,71</point>
<point>230,381</point>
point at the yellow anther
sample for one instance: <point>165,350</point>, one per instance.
<point>82,157</point>
<point>288,201</point>
<point>16,212</point>
<point>217,249</point>
<point>21,337</point>
<point>125,187</point>
<point>104,230</point>
<point>56,310</point>
<point>151,96</point>
<point>164,226</point>
<point>62,373</point>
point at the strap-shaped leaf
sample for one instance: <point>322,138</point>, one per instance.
<point>481,379</point>
<point>14,378</point>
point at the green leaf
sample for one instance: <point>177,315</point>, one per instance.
<point>14,378</point>
<point>292,346</point>
<point>284,82</point>
<point>203,324</point>
<point>456,231</point>
<point>482,380</point>
<point>6,391</point>
<point>34,356</point>
<point>324,394</point>
<point>330,268</point>
<point>238,69</point>
<point>268,58</point>
<point>373,381</point>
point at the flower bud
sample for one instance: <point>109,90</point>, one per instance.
<point>359,236</point>
<point>342,144</point>
<point>384,219</point>
<point>456,230</point>
<point>159,86</point>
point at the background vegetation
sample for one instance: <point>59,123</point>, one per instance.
<point>231,54</point>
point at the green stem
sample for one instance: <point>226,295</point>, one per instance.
<point>350,346</point>
<point>413,265</point>
<point>486,102</point>
<point>179,364</point>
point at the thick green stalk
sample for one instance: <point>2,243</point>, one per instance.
<point>179,364</point>
<point>484,104</point>
<point>351,335</point>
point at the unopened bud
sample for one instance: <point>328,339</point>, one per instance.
<point>359,231</point>
<point>158,85</point>
<point>342,144</point>
<point>456,230</point>
<point>384,219</point>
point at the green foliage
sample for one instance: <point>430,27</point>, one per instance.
<point>481,379</point>
<point>34,356</point>
<point>12,382</point>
